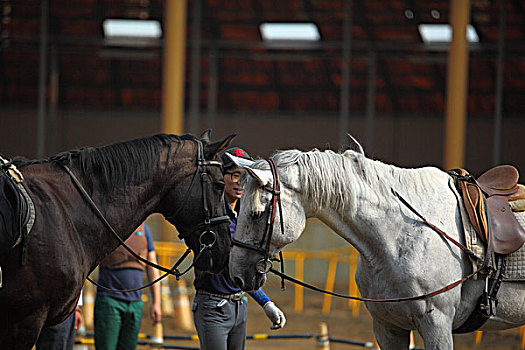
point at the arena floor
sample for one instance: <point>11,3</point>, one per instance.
<point>340,324</point>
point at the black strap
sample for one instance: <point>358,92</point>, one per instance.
<point>173,269</point>
<point>107,224</point>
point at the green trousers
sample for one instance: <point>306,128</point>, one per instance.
<point>117,323</point>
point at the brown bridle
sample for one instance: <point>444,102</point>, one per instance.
<point>264,265</point>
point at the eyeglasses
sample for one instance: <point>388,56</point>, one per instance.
<point>235,175</point>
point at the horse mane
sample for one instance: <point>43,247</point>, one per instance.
<point>336,180</point>
<point>120,163</point>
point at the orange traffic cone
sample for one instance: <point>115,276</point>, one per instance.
<point>182,318</point>
<point>165,297</point>
<point>322,343</point>
<point>157,339</point>
<point>88,305</point>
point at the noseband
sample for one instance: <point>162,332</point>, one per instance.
<point>264,265</point>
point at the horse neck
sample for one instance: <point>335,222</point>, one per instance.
<point>366,214</point>
<point>127,206</point>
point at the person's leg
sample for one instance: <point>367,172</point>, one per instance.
<point>213,317</point>
<point>107,319</point>
<point>237,337</point>
<point>129,332</point>
<point>61,337</point>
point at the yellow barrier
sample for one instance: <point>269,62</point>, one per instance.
<point>299,274</point>
<point>168,252</point>
<point>347,256</point>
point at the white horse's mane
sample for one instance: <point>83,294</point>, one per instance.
<point>335,180</point>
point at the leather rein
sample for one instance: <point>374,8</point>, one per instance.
<point>207,238</point>
<point>264,265</point>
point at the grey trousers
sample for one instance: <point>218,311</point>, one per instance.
<point>220,323</point>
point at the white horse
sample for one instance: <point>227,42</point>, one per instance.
<point>400,255</point>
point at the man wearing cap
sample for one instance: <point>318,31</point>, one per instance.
<point>220,309</point>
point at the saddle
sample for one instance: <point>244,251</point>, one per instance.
<point>15,207</point>
<point>486,201</point>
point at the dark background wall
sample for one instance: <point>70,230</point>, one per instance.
<point>405,141</point>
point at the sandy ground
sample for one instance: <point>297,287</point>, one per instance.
<point>341,324</point>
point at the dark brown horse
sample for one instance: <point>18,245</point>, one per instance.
<point>128,181</point>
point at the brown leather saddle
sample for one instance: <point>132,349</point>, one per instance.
<point>486,201</point>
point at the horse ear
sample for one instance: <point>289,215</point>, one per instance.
<point>263,177</point>
<point>356,144</point>
<point>205,136</point>
<point>212,149</point>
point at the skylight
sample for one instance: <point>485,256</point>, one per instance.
<point>289,31</point>
<point>442,33</point>
<point>128,28</point>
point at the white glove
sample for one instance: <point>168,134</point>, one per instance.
<point>275,315</point>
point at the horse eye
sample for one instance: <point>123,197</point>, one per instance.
<point>219,186</point>
<point>256,215</point>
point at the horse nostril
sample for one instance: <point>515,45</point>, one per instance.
<point>238,282</point>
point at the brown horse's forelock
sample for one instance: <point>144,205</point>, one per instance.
<point>110,167</point>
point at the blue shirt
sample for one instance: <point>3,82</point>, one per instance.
<point>125,278</point>
<point>221,283</point>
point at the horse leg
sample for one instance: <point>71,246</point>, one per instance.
<point>436,331</point>
<point>390,337</point>
<point>19,336</point>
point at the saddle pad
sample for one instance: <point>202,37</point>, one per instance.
<point>516,261</point>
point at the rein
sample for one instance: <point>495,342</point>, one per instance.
<point>93,206</point>
<point>173,270</point>
<point>275,190</point>
<point>417,297</point>
<point>207,224</point>
<point>413,298</point>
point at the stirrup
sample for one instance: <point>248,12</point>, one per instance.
<point>488,302</point>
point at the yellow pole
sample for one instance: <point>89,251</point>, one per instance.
<point>352,285</point>
<point>299,274</point>
<point>173,78</point>
<point>330,280</point>
<point>455,123</point>
<point>173,67</point>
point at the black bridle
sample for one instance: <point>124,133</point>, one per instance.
<point>264,265</point>
<point>207,237</point>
